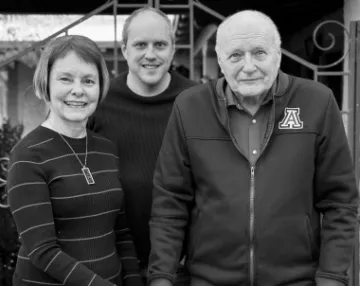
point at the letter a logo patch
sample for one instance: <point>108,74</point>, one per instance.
<point>291,119</point>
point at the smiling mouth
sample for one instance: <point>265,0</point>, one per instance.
<point>250,79</point>
<point>76,104</point>
<point>151,67</point>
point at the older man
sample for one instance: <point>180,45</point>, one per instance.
<point>248,164</point>
<point>136,111</point>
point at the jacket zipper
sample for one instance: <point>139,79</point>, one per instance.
<point>252,219</point>
<point>252,190</point>
<point>252,196</point>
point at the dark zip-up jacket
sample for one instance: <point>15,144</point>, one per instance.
<point>255,224</point>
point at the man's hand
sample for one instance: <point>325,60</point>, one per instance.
<point>327,282</point>
<point>161,282</point>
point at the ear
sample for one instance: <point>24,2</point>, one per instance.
<point>219,58</point>
<point>279,59</point>
<point>173,51</point>
<point>123,50</point>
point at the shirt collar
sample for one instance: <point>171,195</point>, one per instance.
<point>232,100</point>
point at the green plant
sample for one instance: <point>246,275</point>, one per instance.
<point>9,244</point>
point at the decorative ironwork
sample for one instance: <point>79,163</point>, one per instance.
<point>332,44</point>
<point>3,196</point>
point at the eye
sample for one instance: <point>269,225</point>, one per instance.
<point>65,79</point>
<point>140,45</point>
<point>260,53</point>
<point>160,45</point>
<point>235,56</point>
<point>89,81</point>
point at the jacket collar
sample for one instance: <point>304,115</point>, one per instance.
<point>217,87</point>
<point>283,84</point>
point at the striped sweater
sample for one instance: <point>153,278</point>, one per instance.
<point>71,233</point>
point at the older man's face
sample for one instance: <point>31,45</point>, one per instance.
<point>248,56</point>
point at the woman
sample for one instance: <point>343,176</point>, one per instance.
<point>63,185</point>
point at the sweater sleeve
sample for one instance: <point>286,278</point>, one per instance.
<point>127,252</point>
<point>173,195</point>
<point>30,204</point>
<point>336,197</point>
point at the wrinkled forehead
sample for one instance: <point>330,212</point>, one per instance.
<point>245,29</point>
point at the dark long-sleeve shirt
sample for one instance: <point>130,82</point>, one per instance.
<point>71,233</point>
<point>136,124</point>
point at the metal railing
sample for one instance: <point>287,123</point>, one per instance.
<point>40,44</point>
<point>114,3</point>
<point>317,69</point>
<point>3,196</point>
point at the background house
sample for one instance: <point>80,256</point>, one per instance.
<point>24,23</point>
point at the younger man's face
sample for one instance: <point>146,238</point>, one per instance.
<point>149,49</point>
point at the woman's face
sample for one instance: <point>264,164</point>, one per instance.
<point>74,88</point>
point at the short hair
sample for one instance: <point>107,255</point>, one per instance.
<point>58,48</point>
<point>128,21</point>
<point>277,38</point>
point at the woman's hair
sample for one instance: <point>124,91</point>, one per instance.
<point>58,48</point>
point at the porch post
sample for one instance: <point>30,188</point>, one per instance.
<point>353,127</point>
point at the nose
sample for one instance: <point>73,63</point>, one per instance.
<point>249,66</point>
<point>150,53</point>
<point>77,89</point>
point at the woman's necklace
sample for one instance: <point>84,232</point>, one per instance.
<point>86,171</point>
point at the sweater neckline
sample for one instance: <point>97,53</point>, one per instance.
<point>71,140</point>
<point>169,94</point>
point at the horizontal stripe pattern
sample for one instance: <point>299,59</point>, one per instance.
<point>43,142</point>
<point>60,157</point>
<point>86,238</point>
<point>41,283</point>
<point>69,230</point>
<point>84,195</point>
<point>87,216</point>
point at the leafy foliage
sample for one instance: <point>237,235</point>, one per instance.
<point>9,243</point>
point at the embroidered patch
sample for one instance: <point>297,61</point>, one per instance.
<point>291,119</point>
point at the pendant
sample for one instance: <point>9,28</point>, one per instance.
<point>88,176</point>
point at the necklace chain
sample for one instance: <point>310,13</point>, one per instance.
<point>86,150</point>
